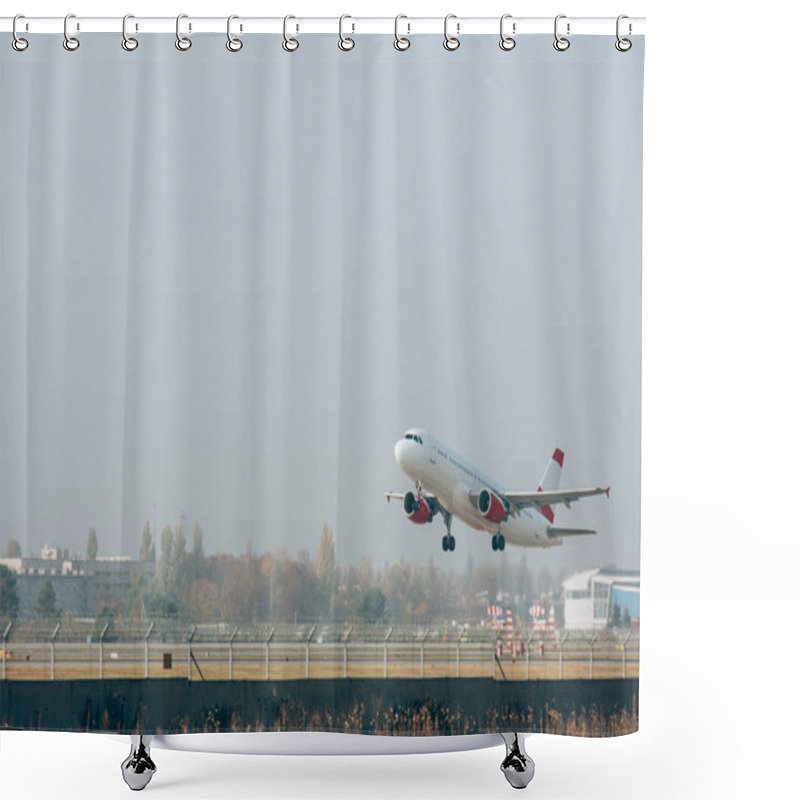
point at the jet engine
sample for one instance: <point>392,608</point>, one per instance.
<point>418,510</point>
<point>492,507</point>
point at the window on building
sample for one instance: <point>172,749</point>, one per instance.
<point>577,594</point>
<point>599,609</point>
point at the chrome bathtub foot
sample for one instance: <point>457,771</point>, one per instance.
<point>138,768</point>
<point>517,766</point>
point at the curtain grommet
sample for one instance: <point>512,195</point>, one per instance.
<point>233,44</point>
<point>71,43</point>
<point>451,43</point>
<point>289,44</point>
<point>17,42</point>
<point>129,43</point>
<point>346,43</point>
<point>561,43</point>
<point>183,43</point>
<point>401,43</point>
<point>507,43</point>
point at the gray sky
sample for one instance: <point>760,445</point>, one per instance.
<point>228,287</point>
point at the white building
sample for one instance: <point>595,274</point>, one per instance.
<point>590,598</point>
<point>79,583</point>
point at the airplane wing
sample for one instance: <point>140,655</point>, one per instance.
<point>518,500</point>
<point>558,532</point>
<point>401,495</point>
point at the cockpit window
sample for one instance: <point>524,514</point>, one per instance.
<point>413,437</point>
<point>418,439</point>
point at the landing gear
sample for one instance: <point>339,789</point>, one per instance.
<point>448,540</point>
<point>498,542</point>
<point>138,768</point>
<point>517,766</point>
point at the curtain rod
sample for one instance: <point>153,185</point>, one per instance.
<point>407,25</point>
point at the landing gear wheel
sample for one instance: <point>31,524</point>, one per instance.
<point>494,541</point>
<point>448,542</point>
<point>501,542</point>
<point>138,768</point>
<point>445,544</point>
<point>452,542</point>
<point>517,766</point>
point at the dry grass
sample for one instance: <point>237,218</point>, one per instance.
<point>296,670</point>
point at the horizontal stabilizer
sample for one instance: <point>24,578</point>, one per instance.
<point>558,532</point>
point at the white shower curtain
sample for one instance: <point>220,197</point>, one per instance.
<point>231,283</point>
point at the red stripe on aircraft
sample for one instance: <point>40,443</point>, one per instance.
<point>546,510</point>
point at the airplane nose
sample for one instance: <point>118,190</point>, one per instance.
<point>400,452</point>
<point>404,452</point>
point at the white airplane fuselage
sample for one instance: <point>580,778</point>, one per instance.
<point>450,477</point>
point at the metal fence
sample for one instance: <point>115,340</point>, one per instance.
<point>90,650</point>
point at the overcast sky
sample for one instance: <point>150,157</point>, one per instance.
<point>229,287</point>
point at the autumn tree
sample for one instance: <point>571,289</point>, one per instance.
<point>45,607</point>
<point>180,561</point>
<point>295,593</point>
<point>405,588</point>
<point>240,590</point>
<point>171,570</point>
<point>147,547</point>
<point>13,549</point>
<point>197,557</point>
<point>105,614</point>
<point>202,603</point>
<point>325,566</point>
<point>372,609</point>
<point>91,545</point>
<point>348,593</point>
<point>9,599</point>
<point>133,603</point>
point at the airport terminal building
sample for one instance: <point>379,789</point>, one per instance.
<point>79,583</point>
<point>599,598</point>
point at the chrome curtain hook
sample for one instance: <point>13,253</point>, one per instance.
<point>451,42</point>
<point>233,44</point>
<point>561,43</point>
<point>400,42</point>
<point>623,45</point>
<point>70,42</point>
<point>345,42</point>
<point>181,42</point>
<point>506,42</point>
<point>128,42</point>
<point>289,44</point>
<point>18,43</point>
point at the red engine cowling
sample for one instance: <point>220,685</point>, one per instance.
<point>492,507</point>
<point>417,510</point>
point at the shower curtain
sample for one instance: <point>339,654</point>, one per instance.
<point>290,342</point>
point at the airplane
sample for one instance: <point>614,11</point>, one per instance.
<point>450,485</point>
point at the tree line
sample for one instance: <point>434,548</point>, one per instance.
<point>186,584</point>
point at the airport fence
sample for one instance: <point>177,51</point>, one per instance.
<point>91,649</point>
